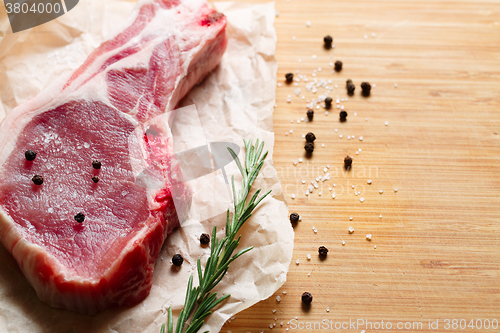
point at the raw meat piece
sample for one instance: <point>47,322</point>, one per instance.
<point>105,111</point>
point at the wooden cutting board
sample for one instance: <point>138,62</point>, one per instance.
<point>435,137</point>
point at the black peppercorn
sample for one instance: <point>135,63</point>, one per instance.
<point>310,137</point>
<point>328,42</point>
<point>323,251</point>
<point>309,147</point>
<point>204,239</point>
<point>177,260</point>
<point>310,114</point>
<point>350,88</point>
<point>95,179</point>
<point>30,155</point>
<point>37,180</point>
<point>338,66</point>
<point>365,88</point>
<point>328,102</point>
<point>307,298</point>
<point>343,115</point>
<point>289,77</point>
<point>96,164</point>
<point>80,217</point>
<point>294,217</point>
<point>347,162</point>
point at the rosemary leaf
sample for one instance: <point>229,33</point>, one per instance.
<point>200,300</point>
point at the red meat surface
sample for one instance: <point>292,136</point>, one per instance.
<point>105,111</point>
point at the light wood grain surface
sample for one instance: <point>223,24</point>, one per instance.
<point>437,252</point>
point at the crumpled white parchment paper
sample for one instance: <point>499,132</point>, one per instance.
<point>234,102</point>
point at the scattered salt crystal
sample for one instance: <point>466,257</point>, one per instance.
<point>366,36</point>
<point>278,298</point>
<point>333,195</point>
<point>274,311</point>
<point>314,56</point>
<point>279,84</point>
<point>277,14</point>
<point>291,131</point>
<point>319,193</point>
<point>351,230</point>
<point>375,246</point>
<point>325,170</point>
<point>360,138</point>
<point>294,38</point>
<point>335,130</point>
<point>395,85</point>
<point>300,60</point>
<point>369,237</point>
<point>369,181</point>
<point>355,114</point>
<point>373,34</point>
<point>308,257</point>
<point>340,136</point>
<point>361,199</point>
<point>286,133</point>
<point>327,309</point>
<point>284,292</point>
<point>297,262</point>
<point>348,137</point>
<point>357,153</point>
<point>350,218</point>
<point>293,196</point>
<point>308,274</point>
<point>380,216</point>
<point>303,181</point>
<point>395,189</point>
<point>386,123</point>
<point>308,24</point>
<point>343,243</point>
<point>298,121</point>
<point>381,191</point>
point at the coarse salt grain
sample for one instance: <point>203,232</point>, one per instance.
<point>350,218</point>
<point>343,243</point>
<point>333,195</point>
<point>362,199</point>
<point>308,257</point>
<point>381,191</point>
<point>380,216</point>
<point>278,298</point>
<point>369,237</point>
<point>395,189</point>
<point>297,262</point>
<point>360,138</point>
<point>369,181</point>
<point>308,24</point>
<point>351,230</point>
<point>386,123</point>
<point>293,196</point>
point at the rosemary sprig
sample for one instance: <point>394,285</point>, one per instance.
<point>200,300</point>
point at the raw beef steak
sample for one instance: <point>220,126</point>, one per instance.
<point>84,231</point>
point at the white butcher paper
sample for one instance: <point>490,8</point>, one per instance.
<point>234,102</point>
